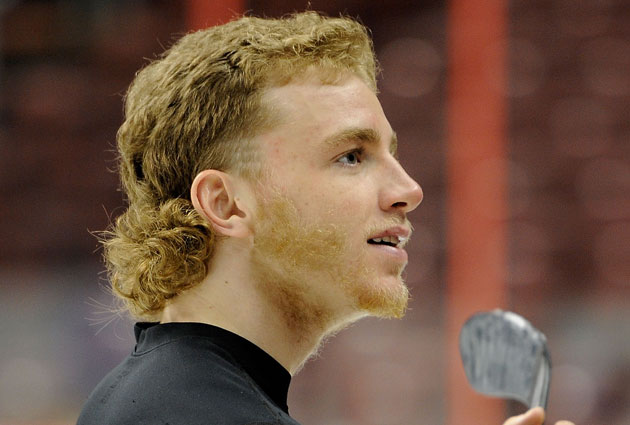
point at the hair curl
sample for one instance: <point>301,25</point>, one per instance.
<point>198,106</point>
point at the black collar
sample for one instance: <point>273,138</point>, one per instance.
<point>270,375</point>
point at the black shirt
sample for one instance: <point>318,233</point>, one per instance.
<point>191,374</point>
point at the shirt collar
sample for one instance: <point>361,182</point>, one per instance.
<point>268,374</point>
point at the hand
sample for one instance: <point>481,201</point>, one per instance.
<point>534,416</point>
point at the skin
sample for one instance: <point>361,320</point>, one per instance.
<point>293,253</point>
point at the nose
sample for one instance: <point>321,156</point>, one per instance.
<point>399,191</point>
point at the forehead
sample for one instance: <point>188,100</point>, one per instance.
<point>319,84</point>
<point>311,111</point>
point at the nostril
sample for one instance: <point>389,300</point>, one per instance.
<point>399,204</point>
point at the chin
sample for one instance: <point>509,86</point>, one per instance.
<point>386,299</point>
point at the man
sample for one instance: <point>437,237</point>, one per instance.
<point>267,210</point>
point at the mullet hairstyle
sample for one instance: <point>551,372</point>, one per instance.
<point>196,107</point>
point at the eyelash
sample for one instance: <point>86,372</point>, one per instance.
<point>359,154</point>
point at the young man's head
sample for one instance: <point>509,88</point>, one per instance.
<point>287,109</point>
<point>331,223</point>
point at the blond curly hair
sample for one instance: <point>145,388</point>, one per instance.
<point>197,107</point>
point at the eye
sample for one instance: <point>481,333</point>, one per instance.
<point>353,157</point>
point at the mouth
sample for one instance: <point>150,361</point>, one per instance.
<point>393,241</point>
<point>395,237</point>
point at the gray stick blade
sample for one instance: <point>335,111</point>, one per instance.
<point>505,356</point>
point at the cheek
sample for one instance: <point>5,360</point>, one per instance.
<point>318,196</point>
<point>357,198</point>
<point>334,201</point>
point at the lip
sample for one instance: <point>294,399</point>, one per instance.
<point>397,254</point>
<point>398,231</point>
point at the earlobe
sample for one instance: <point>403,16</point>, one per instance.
<point>215,196</point>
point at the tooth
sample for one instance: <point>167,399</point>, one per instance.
<point>378,240</point>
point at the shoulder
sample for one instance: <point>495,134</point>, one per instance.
<point>188,381</point>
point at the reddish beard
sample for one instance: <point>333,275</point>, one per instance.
<point>310,273</point>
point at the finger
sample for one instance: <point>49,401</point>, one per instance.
<point>534,416</point>
<point>564,423</point>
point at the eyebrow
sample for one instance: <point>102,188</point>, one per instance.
<point>363,135</point>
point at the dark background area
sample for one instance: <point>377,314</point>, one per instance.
<point>64,69</point>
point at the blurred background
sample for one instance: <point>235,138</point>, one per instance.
<point>64,68</point>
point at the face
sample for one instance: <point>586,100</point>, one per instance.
<point>331,223</point>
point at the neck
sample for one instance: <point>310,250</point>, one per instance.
<point>276,321</point>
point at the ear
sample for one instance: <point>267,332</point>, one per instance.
<point>215,196</point>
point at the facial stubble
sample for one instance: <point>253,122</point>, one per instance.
<point>307,270</point>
